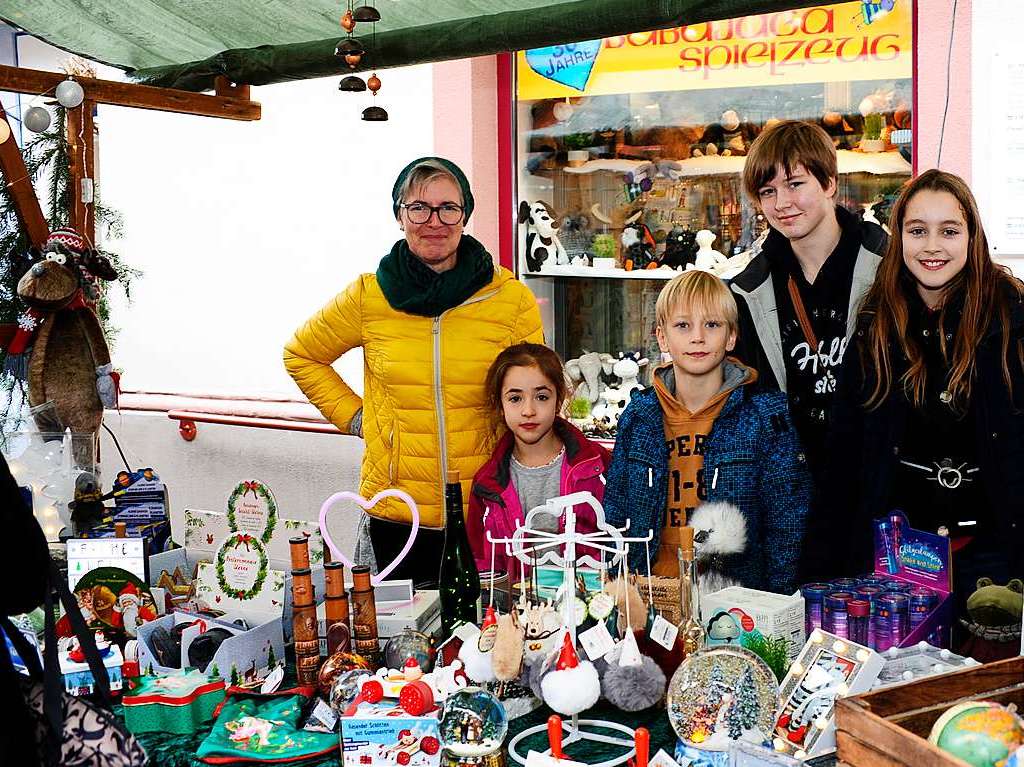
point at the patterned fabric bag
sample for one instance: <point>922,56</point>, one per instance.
<point>257,728</point>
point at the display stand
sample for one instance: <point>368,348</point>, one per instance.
<point>533,547</point>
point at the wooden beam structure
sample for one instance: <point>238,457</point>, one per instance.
<point>26,204</point>
<point>236,106</point>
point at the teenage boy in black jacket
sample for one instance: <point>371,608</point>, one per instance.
<point>798,297</point>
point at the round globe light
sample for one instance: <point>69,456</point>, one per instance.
<point>37,119</point>
<point>70,94</point>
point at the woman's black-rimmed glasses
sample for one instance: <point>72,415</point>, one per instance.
<point>448,214</point>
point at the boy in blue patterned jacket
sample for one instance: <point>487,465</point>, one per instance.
<point>701,436</point>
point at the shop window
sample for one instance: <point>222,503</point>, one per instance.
<point>652,128</point>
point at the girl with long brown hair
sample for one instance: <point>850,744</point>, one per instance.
<point>929,416</point>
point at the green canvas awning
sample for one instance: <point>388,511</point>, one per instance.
<point>186,43</point>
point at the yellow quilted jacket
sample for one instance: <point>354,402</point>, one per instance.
<point>424,408</point>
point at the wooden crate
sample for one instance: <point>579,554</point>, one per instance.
<point>889,728</point>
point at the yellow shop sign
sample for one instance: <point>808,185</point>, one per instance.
<point>865,40</point>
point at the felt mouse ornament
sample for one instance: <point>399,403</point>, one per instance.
<point>70,361</point>
<point>507,657</point>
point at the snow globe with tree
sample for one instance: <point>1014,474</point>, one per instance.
<point>722,695</point>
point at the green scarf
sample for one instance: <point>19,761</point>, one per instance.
<point>411,286</point>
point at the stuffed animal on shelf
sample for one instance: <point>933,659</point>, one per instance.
<point>637,244</point>
<point>70,361</point>
<point>577,239</point>
<point>615,398</point>
<point>995,621</point>
<point>707,259</point>
<point>585,371</point>
<point>680,248</point>
<point>541,235</point>
<point>731,136</point>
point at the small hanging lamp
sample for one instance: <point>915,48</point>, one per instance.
<point>373,83</point>
<point>375,114</point>
<point>350,46</point>
<point>352,84</point>
<point>366,13</point>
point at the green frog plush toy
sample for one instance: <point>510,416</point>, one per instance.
<point>995,620</point>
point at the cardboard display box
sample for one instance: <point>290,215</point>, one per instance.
<point>731,612</point>
<point>890,727</point>
<point>383,735</point>
<point>245,651</point>
<point>78,678</point>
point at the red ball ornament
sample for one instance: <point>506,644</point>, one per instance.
<point>373,83</point>
<point>353,59</point>
<point>430,745</point>
<point>403,757</point>
<point>347,22</point>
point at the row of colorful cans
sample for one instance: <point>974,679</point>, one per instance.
<point>873,610</point>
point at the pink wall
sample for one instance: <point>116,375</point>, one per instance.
<point>934,20</point>
<point>465,131</point>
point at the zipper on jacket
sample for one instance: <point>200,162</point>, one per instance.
<point>442,435</point>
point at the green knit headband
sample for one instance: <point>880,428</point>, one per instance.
<point>455,170</point>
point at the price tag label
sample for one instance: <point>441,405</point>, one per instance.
<point>664,633</point>
<point>466,631</point>
<point>662,759</point>
<point>597,641</point>
<point>537,759</point>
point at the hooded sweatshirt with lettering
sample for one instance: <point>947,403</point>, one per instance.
<point>686,434</point>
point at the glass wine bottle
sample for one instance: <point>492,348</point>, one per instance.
<point>691,632</point>
<point>458,581</point>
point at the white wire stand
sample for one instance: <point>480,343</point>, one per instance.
<point>535,547</point>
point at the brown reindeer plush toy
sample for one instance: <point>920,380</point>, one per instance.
<point>70,361</point>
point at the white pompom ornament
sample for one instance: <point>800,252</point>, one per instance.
<point>477,651</point>
<point>574,685</point>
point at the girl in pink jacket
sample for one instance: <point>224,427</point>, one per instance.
<point>541,456</point>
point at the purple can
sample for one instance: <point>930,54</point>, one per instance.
<point>869,592</point>
<point>834,617</point>
<point>814,599</point>
<point>894,586</point>
<point>892,620</point>
<point>858,620</point>
<point>873,579</point>
<point>845,584</point>
<point>922,601</point>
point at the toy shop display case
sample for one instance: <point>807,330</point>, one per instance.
<point>632,145</point>
<point>890,727</point>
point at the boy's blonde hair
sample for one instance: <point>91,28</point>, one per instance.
<point>786,145</point>
<point>701,291</point>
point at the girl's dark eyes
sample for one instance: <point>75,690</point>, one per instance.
<point>951,232</point>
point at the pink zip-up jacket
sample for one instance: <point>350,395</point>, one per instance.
<point>494,502</point>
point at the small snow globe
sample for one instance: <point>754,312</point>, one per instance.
<point>722,695</point>
<point>473,724</point>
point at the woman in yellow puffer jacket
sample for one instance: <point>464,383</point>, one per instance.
<point>430,322</point>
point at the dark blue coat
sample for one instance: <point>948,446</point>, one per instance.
<point>752,459</point>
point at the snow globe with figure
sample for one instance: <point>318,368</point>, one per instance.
<point>473,725</point>
<point>719,696</point>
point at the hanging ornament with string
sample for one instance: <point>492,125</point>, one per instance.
<point>37,119</point>
<point>69,94</point>
<point>372,113</point>
<point>347,22</point>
